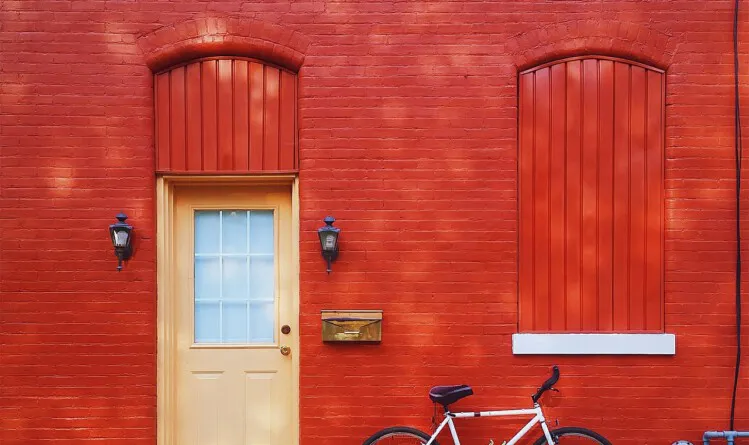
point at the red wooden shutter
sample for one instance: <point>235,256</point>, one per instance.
<point>591,197</point>
<point>226,116</point>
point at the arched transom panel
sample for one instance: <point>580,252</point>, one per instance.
<point>226,115</point>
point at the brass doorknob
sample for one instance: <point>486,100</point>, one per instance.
<point>285,350</point>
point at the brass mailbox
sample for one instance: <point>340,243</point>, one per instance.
<point>350,325</point>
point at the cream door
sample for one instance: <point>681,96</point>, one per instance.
<point>233,303</point>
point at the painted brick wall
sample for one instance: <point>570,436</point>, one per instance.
<point>408,136</point>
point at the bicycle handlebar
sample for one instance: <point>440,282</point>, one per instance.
<point>548,384</point>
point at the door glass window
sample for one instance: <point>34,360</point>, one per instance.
<point>234,276</point>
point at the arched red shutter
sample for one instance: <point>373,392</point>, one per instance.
<point>226,115</point>
<point>591,197</point>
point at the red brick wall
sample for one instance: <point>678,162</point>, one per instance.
<point>408,116</point>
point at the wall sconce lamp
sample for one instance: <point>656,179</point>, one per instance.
<point>329,240</point>
<point>121,234</point>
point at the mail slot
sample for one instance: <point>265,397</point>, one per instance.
<point>352,326</point>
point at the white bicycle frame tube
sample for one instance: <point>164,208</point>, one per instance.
<point>538,417</point>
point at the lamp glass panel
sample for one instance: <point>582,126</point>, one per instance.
<point>120,237</point>
<point>329,241</point>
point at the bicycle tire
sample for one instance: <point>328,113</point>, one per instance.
<point>594,437</point>
<point>403,432</point>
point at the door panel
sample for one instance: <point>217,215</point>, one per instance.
<point>233,288</point>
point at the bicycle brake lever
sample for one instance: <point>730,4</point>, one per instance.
<point>554,389</point>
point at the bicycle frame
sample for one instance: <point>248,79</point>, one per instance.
<point>538,417</point>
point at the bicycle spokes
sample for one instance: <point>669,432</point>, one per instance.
<point>400,439</point>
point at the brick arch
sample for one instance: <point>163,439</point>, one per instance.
<point>223,36</point>
<point>607,37</point>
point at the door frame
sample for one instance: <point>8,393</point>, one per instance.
<point>166,326</point>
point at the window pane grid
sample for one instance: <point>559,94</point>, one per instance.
<point>221,274</point>
<point>237,309</point>
<point>229,255</point>
<point>247,275</point>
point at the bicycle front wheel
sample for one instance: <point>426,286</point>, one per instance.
<point>399,435</point>
<point>574,436</point>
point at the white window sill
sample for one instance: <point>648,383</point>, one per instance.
<point>594,344</point>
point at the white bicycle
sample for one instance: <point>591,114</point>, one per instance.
<point>445,395</point>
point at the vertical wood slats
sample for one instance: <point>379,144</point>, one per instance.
<point>526,269</point>
<point>241,125</point>
<point>589,165</point>
<point>605,195</point>
<point>591,197</point>
<point>225,110</point>
<point>556,196</point>
<point>541,199</point>
<point>257,114</point>
<point>270,142</point>
<point>573,206</point>
<point>178,123</point>
<point>225,116</point>
<point>194,140</point>
<point>620,284</point>
<point>209,119</point>
<point>161,94</point>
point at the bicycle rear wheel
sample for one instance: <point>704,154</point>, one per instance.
<point>399,435</point>
<point>574,436</point>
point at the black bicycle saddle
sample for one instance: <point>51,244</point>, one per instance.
<point>445,395</point>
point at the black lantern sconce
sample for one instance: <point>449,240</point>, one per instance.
<point>121,235</point>
<point>329,240</point>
